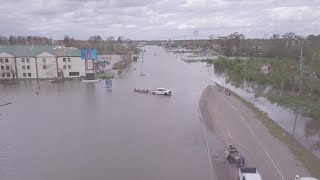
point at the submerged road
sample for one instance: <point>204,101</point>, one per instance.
<point>227,120</point>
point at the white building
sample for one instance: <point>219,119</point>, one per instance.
<point>40,62</point>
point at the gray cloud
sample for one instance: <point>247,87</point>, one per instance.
<point>158,19</point>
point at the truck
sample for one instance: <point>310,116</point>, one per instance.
<point>249,173</point>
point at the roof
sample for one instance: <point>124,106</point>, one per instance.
<point>31,51</point>
<point>308,178</point>
<point>252,176</point>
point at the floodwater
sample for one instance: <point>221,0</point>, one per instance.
<point>307,130</point>
<point>82,131</point>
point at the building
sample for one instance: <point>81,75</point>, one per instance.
<point>40,62</point>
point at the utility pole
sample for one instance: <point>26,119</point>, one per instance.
<point>301,71</point>
<point>195,33</point>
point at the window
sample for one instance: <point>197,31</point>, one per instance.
<point>1,60</point>
<point>44,60</point>
<point>44,67</point>
<point>64,59</point>
<point>24,67</point>
<point>64,66</point>
<point>23,60</point>
<point>8,74</point>
<point>69,59</point>
<point>6,60</point>
<point>28,60</point>
<point>24,74</point>
<point>2,67</point>
<point>28,67</point>
<point>74,73</point>
<point>69,66</point>
<point>29,74</point>
<point>7,67</point>
<point>3,74</point>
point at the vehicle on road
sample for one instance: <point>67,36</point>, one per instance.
<point>308,178</point>
<point>233,156</point>
<point>249,173</point>
<point>161,91</point>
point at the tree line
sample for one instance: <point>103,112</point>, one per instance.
<point>285,46</point>
<point>25,40</point>
<point>109,45</point>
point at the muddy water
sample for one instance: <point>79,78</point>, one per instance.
<point>307,131</point>
<point>74,130</point>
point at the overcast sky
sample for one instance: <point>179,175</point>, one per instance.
<point>158,19</point>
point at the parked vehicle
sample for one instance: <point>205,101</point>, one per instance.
<point>249,173</point>
<point>161,91</point>
<point>307,178</point>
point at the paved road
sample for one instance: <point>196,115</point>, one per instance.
<point>227,120</point>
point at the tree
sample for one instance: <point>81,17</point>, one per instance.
<point>275,36</point>
<point>120,39</point>
<point>237,39</point>
<point>67,41</point>
<point>12,40</point>
<point>211,37</point>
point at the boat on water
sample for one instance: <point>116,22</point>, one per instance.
<point>141,90</point>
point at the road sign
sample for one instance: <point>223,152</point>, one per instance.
<point>109,83</point>
<point>88,53</point>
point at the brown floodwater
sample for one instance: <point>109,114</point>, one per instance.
<point>82,131</point>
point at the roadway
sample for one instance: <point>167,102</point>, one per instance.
<point>227,120</point>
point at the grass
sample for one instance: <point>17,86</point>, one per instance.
<point>310,161</point>
<point>104,75</point>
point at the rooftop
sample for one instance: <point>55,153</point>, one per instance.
<point>31,51</point>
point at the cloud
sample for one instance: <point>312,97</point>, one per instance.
<point>158,19</point>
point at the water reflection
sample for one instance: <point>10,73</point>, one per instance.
<point>75,130</point>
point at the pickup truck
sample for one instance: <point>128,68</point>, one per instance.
<point>161,91</point>
<point>247,173</point>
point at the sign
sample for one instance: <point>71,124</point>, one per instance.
<point>109,83</point>
<point>88,53</point>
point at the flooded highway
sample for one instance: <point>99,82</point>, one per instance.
<point>82,131</point>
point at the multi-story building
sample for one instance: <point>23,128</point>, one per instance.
<point>40,62</point>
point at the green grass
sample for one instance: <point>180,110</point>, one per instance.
<point>104,76</point>
<point>310,161</point>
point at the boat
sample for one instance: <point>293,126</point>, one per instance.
<point>141,90</point>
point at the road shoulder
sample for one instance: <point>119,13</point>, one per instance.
<point>278,153</point>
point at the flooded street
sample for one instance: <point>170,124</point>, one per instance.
<point>74,130</point>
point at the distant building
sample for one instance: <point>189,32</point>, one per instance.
<point>40,62</point>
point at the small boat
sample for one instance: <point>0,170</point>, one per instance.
<point>141,90</point>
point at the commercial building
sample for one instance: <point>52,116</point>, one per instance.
<point>40,62</point>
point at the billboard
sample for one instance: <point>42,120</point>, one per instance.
<point>88,53</point>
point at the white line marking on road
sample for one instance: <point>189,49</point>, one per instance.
<point>207,144</point>
<point>258,139</point>
<point>229,134</point>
